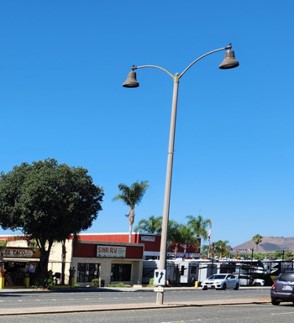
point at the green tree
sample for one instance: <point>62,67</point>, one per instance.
<point>48,202</point>
<point>154,225</point>
<point>205,251</point>
<point>222,248</point>
<point>183,236</point>
<point>150,225</point>
<point>179,235</point>
<point>257,239</point>
<point>172,231</point>
<point>199,227</point>
<point>132,196</point>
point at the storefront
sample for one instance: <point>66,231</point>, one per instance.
<point>18,263</point>
<point>106,257</point>
<point>109,262</point>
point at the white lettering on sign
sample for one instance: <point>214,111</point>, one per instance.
<point>17,253</point>
<point>148,238</point>
<point>111,252</point>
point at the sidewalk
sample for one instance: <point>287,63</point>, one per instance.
<point>119,307</point>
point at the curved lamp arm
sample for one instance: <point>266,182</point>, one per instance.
<point>202,56</point>
<point>132,81</point>
<point>153,66</point>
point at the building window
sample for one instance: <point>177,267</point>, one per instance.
<point>87,272</point>
<point>121,272</point>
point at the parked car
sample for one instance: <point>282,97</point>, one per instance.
<point>247,280</point>
<point>283,288</point>
<point>221,281</point>
<point>258,282</point>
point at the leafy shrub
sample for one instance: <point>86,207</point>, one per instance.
<point>151,282</point>
<point>119,284</point>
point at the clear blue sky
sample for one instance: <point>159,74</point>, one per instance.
<point>62,64</point>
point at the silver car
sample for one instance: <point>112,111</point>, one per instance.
<point>221,281</point>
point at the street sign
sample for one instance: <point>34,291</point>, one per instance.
<point>159,277</point>
<point>158,289</point>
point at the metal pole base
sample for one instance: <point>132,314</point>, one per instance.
<point>159,298</point>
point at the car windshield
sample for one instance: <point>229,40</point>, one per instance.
<point>217,277</point>
<point>287,277</point>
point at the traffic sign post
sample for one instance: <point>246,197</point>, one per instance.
<point>159,277</point>
<point>159,281</point>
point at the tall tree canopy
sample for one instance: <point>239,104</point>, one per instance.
<point>151,225</point>
<point>48,202</point>
<point>132,196</point>
<point>221,248</point>
<point>199,226</point>
<point>257,239</point>
<point>180,235</point>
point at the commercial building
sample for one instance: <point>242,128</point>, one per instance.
<point>109,258</point>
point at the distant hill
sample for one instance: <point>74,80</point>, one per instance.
<point>268,244</point>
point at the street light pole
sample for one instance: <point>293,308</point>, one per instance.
<point>168,177</point>
<point>131,82</point>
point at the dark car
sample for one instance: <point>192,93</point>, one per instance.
<point>283,288</point>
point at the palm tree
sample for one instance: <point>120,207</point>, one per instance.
<point>132,196</point>
<point>205,251</point>
<point>151,225</point>
<point>257,239</point>
<point>172,231</point>
<point>222,248</point>
<point>180,235</point>
<point>199,226</point>
<point>186,238</point>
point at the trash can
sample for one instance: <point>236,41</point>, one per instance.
<point>27,280</point>
<point>72,272</point>
<point>2,279</point>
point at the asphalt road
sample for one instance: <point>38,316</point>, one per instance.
<point>253,313</point>
<point>15,300</point>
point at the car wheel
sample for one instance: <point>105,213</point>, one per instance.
<point>224,286</point>
<point>236,287</point>
<point>274,302</point>
<point>204,287</point>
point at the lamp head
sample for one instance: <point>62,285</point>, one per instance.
<point>229,60</point>
<point>131,80</point>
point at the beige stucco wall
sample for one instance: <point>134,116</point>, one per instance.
<point>17,243</point>
<point>55,259</point>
